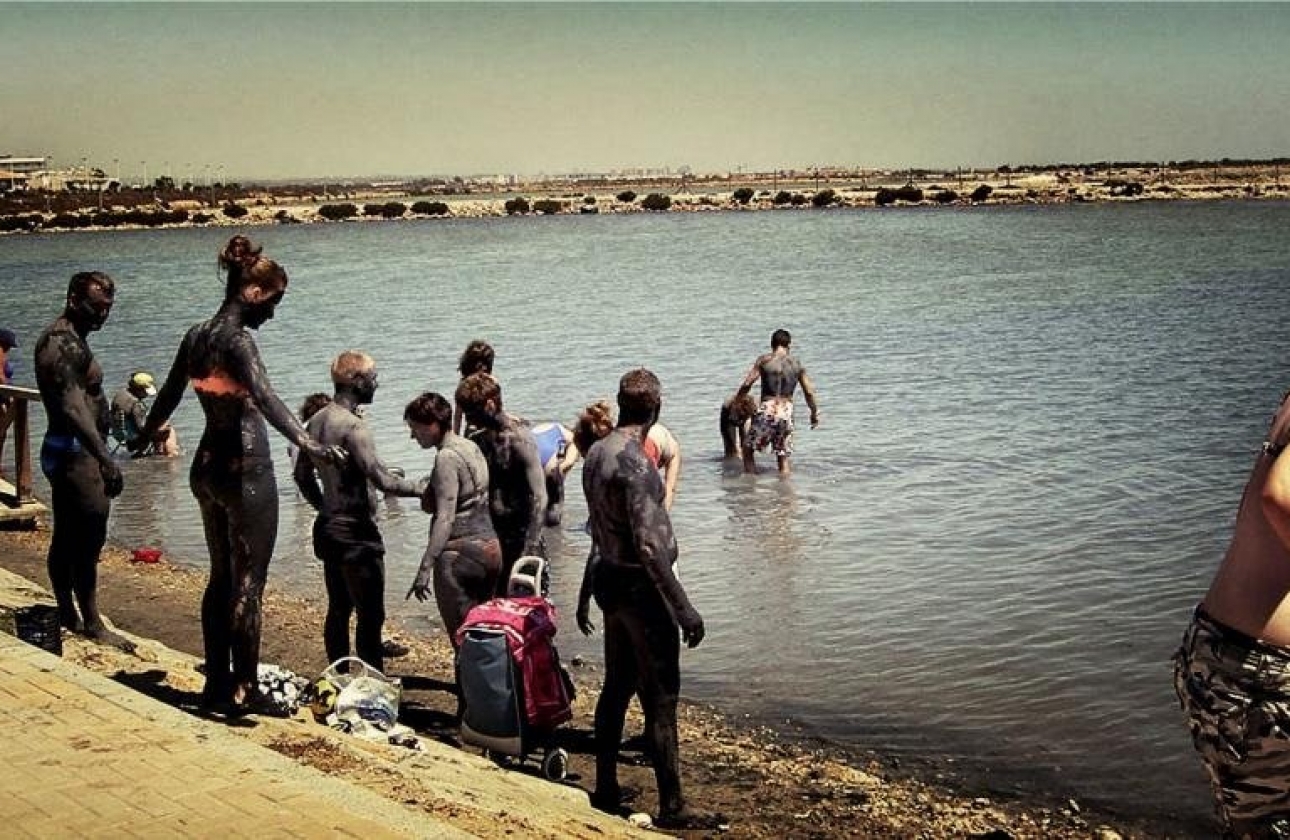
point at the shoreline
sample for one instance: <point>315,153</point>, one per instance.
<point>138,209</point>
<point>802,787</point>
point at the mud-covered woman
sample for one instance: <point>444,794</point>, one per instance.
<point>232,473</point>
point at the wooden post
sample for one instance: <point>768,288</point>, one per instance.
<point>22,451</point>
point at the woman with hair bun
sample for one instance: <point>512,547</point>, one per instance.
<point>232,473</point>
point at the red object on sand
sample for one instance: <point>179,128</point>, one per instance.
<point>146,555</point>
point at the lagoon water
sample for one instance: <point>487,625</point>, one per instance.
<point>1036,426</point>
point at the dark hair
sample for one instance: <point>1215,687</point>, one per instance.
<point>478,356</point>
<point>427,409</point>
<point>477,389</point>
<point>242,260</point>
<point>594,422</point>
<point>639,396</point>
<point>780,338</point>
<point>313,404</point>
<point>80,284</point>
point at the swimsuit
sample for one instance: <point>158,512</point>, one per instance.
<point>773,426</point>
<point>551,442</point>
<point>55,450</point>
<point>1236,692</point>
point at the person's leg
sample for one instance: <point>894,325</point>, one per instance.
<point>62,551</point>
<point>218,597</point>
<point>554,496</point>
<point>339,608</point>
<point>611,708</point>
<point>365,579</point>
<point>659,660</point>
<point>253,525</point>
<point>783,464</point>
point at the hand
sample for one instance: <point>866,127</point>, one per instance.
<point>137,444</point>
<point>583,617</point>
<point>335,454</point>
<point>692,628</point>
<point>113,482</point>
<point>421,586</point>
<point>815,419</point>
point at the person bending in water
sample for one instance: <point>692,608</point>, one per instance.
<point>736,424</point>
<point>557,456</point>
<point>463,558</point>
<point>641,599</point>
<point>345,535</point>
<point>1232,671</point>
<point>232,472</point>
<point>780,374</point>
<point>516,487</point>
<point>664,452</point>
<point>83,478</point>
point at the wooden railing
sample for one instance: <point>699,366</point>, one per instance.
<point>19,438</point>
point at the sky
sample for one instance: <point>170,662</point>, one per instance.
<point>249,91</point>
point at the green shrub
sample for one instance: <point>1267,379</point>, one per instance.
<point>743,195</point>
<point>393,210</point>
<point>589,199</point>
<point>373,209</point>
<point>517,206</point>
<point>656,202</point>
<point>336,212</point>
<point>284,217</point>
<point>203,218</point>
<point>797,200</point>
<point>782,197</point>
<point>946,197</point>
<point>824,198</point>
<point>547,206</point>
<point>430,208</point>
<point>626,196</point>
<point>981,193</point>
<point>235,211</point>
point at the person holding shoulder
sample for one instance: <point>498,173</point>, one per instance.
<point>780,374</point>
<point>74,456</point>
<point>1232,671</point>
<point>345,535</point>
<point>232,472</point>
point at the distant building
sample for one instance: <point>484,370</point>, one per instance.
<point>16,172</point>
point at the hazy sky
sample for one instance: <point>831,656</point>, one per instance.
<point>335,90</point>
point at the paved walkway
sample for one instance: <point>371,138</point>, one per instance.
<point>84,756</point>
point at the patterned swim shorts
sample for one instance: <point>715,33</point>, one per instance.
<point>772,426</point>
<point>1236,693</point>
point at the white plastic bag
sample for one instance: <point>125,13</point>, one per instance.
<point>366,695</point>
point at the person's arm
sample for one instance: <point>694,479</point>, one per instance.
<point>525,449</point>
<point>571,453</point>
<point>65,361</point>
<point>750,378</point>
<point>252,372</point>
<point>808,391</point>
<point>362,448</point>
<point>445,482</point>
<point>671,472</point>
<point>583,614</point>
<point>305,476</point>
<point>458,418</point>
<point>656,547</point>
<point>172,391</point>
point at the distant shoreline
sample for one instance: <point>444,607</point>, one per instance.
<point>140,209</point>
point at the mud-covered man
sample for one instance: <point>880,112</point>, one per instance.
<point>517,485</point>
<point>780,373</point>
<point>74,454</point>
<point>345,535</point>
<point>641,598</point>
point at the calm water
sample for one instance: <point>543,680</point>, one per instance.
<point>1036,426</point>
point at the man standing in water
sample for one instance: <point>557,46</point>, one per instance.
<point>74,455</point>
<point>780,374</point>
<point>346,538</point>
<point>1232,672</point>
<point>642,600</point>
<point>516,485</point>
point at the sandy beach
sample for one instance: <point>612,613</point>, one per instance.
<point>765,784</point>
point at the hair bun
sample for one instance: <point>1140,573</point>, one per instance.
<point>240,252</point>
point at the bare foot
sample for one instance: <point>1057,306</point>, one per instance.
<point>99,633</point>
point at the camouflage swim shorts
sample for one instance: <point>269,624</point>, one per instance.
<point>772,426</point>
<point>1236,693</point>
